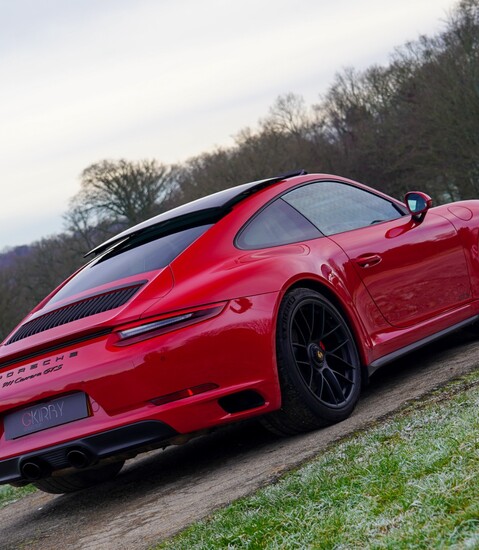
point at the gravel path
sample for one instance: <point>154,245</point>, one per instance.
<point>160,493</point>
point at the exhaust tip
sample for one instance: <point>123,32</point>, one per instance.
<point>78,458</point>
<point>241,401</point>
<point>32,471</point>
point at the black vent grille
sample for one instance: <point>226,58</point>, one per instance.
<point>73,312</point>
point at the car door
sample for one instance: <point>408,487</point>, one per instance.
<point>413,271</point>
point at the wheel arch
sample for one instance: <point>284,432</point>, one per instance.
<point>327,292</point>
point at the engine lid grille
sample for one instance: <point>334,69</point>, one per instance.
<point>110,299</point>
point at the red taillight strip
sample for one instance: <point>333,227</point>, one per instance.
<point>183,394</point>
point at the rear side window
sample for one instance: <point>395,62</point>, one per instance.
<point>277,224</point>
<point>125,262</point>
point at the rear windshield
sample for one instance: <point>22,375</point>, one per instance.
<point>128,260</point>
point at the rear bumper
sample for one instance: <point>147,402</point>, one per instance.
<point>208,374</point>
<point>137,436</point>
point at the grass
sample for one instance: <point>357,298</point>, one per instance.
<point>411,481</point>
<point>9,494</point>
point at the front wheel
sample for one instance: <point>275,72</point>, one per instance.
<point>318,364</point>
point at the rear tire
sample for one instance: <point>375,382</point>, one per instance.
<point>318,365</point>
<point>70,483</point>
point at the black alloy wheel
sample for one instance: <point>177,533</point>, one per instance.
<point>318,364</point>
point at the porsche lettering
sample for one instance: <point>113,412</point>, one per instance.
<point>51,362</point>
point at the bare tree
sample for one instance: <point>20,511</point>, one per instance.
<point>440,111</point>
<point>26,279</point>
<point>119,191</point>
<point>288,115</point>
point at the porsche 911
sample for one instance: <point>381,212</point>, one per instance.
<point>274,299</point>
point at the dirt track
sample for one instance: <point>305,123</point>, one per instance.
<point>161,492</point>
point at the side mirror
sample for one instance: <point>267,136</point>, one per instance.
<point>418,204</point>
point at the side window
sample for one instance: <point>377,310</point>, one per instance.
<point>335,207</point>
<point>278,223</point>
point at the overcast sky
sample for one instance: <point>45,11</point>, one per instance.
<point>85,80</point>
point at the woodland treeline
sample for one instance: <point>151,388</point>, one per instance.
<point>413,124</point>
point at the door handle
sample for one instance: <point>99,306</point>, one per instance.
<point>368,260</point>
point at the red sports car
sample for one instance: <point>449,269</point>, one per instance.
<point>273,298</point>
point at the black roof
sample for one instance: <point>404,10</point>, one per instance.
<point>208,209</point>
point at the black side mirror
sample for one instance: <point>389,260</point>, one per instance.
<point>418,204</point>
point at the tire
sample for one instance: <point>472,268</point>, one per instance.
<point>318,365</point>
<point>70,483</point>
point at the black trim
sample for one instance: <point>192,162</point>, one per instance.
<point>372,367</point>
<point>260,185</point>
<point>212,207</point>
<point>103,445</point>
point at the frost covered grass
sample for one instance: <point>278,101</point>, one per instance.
<point>411,481</point>
<point>9,494</point>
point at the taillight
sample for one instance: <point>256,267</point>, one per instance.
<point>136,333</point>
<point>142,329</point>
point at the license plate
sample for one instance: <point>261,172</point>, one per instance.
<point>45,415</point>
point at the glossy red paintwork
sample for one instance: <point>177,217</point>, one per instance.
<point>396,283</point>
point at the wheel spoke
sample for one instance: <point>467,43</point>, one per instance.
<point>311,378</point>
<point>299,330</point>
<point>334,385</point>
<point>323,323</point>
<point>340,359</point>
<point>298,345</point>
<point>309,326</point>
<point>307,372</point>
<point>313,320</point>
<point>330,332</point>
<point>319,380</point>
<point>343,376</point>
<point>332,397</point>
<point>301,353</point>
<point>341,345</point>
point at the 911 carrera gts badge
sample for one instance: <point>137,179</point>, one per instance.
<point>35,370</point>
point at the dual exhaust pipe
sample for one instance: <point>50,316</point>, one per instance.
<point>35,469</point>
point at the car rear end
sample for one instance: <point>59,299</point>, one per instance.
<point>118,360</point>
